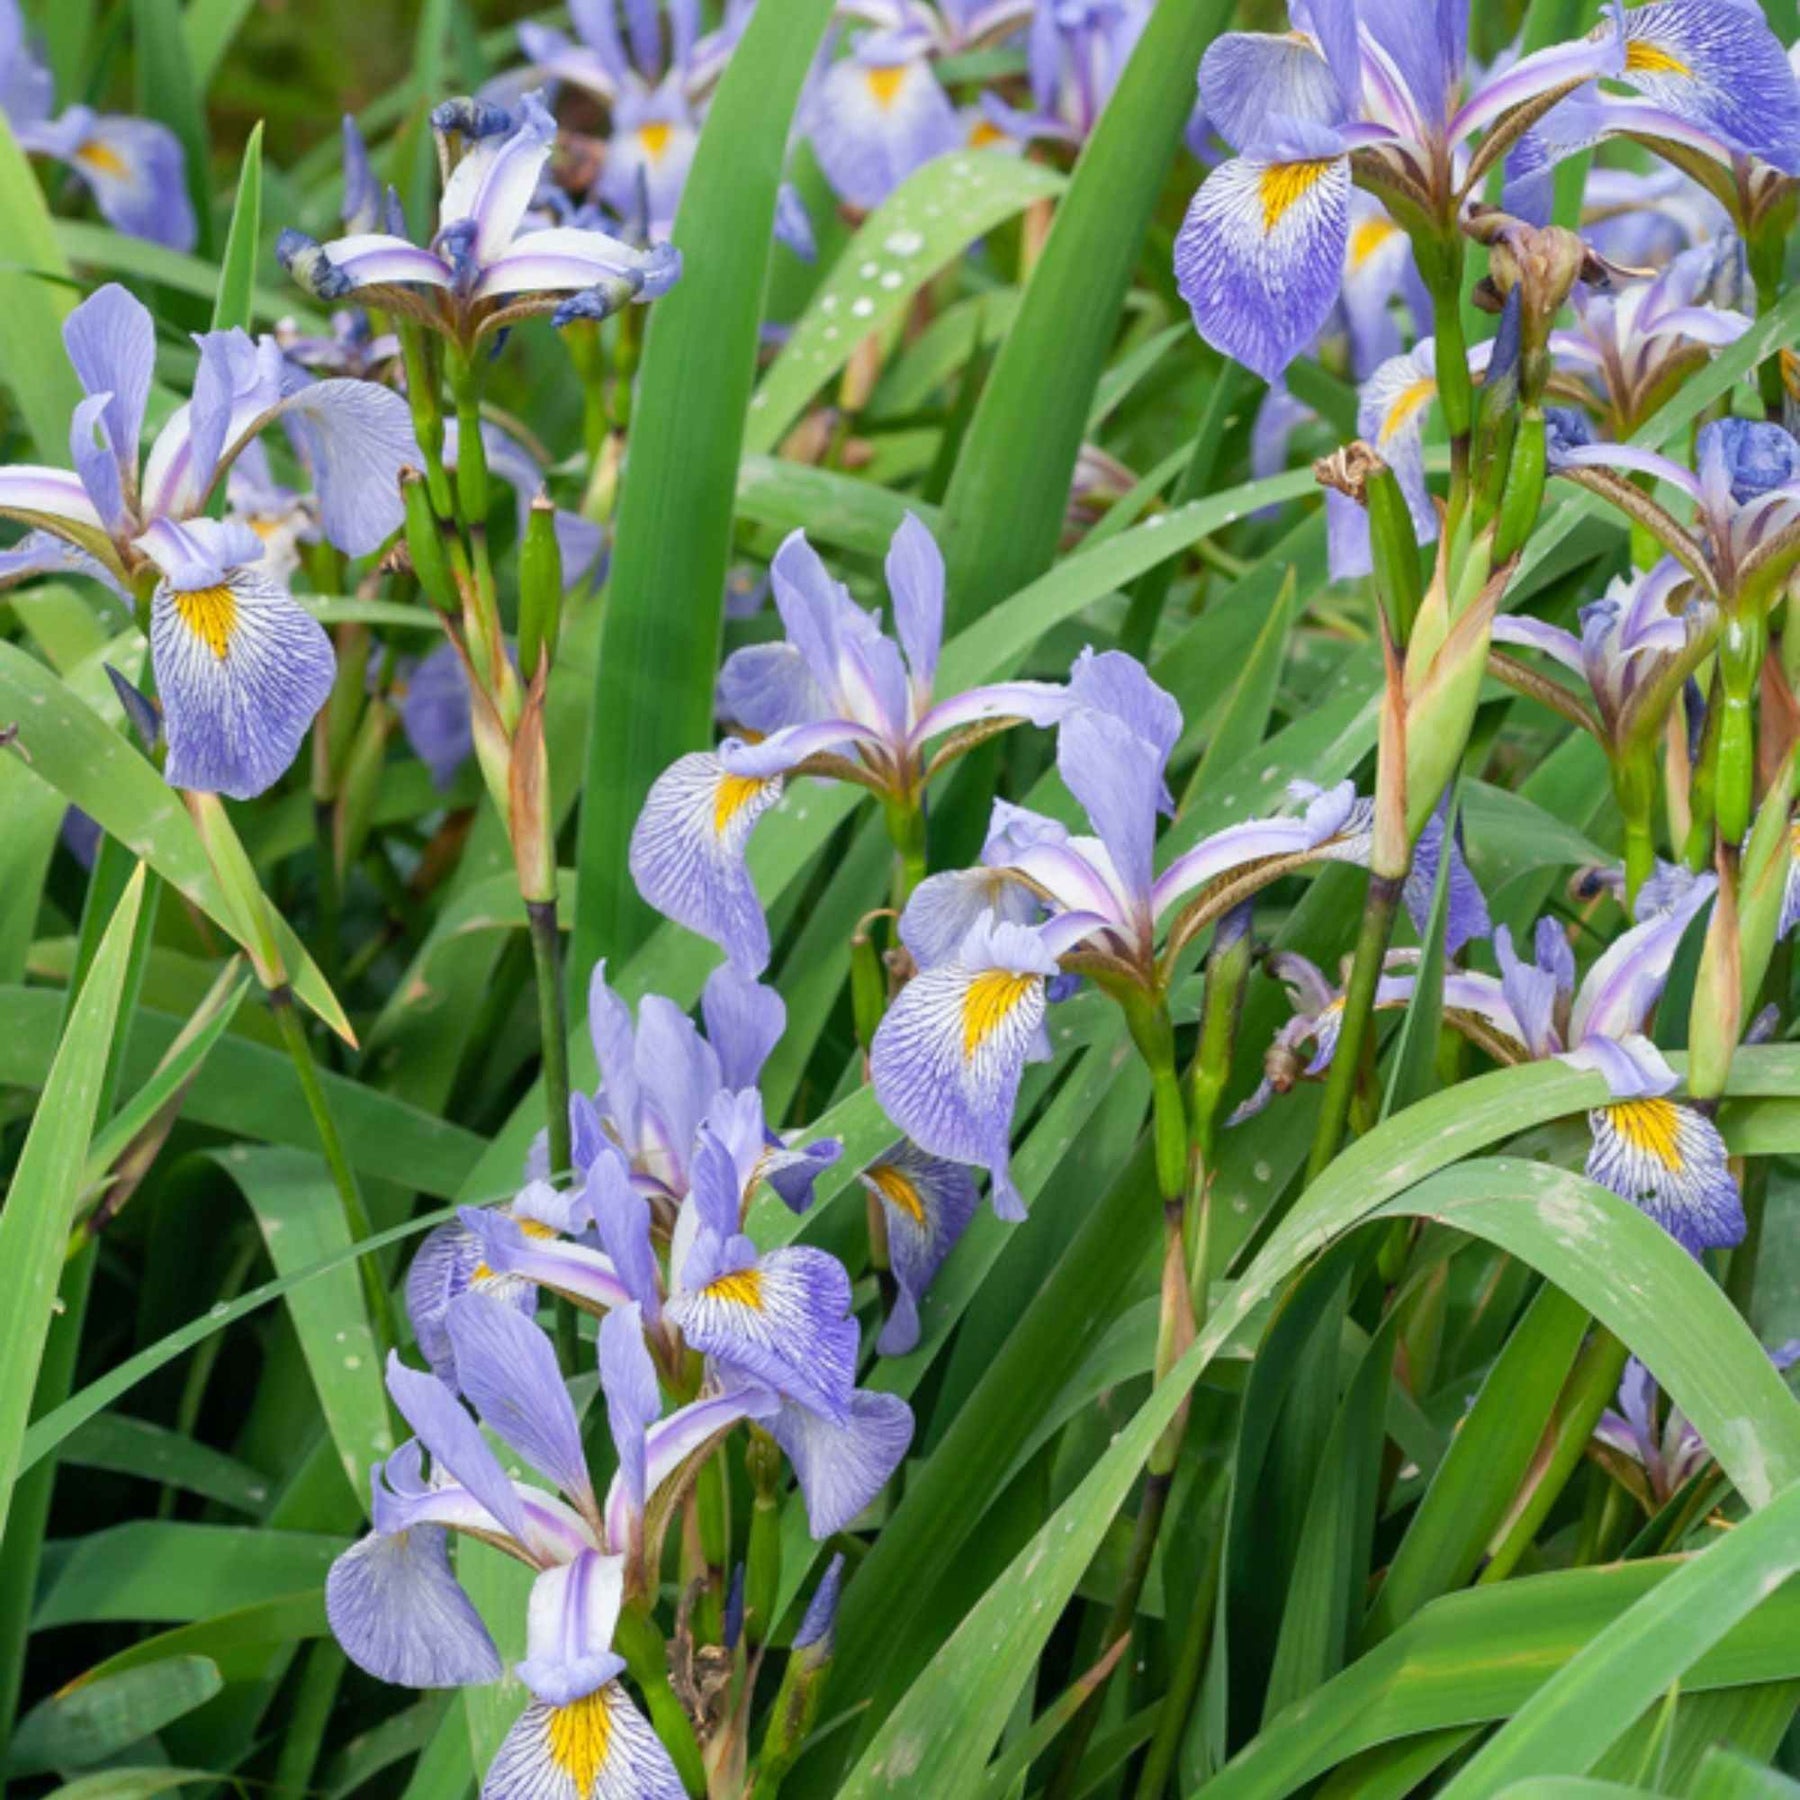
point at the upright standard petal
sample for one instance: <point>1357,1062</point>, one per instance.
<point>395,1608</point>
<point>915,578</point>
<point>242,669</point>
<point>687,853</point>
<point>1260,257</point>
<point>633,1400</point>
<point>507,1369</point>
<point>457,1447</point>
<point>111,340</point>
<point>948,1057</point>
<point>1250,77</point>
<point>1669,1161</point>
<point>744,1022</point>
<point>597,1748</point>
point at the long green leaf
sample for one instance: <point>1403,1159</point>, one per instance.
<point>660,642</point>
<point>34,1224</point>
<point>93,1720</point>
<point>235,300</point>
<point>35,298</point>
<point>167,90</point>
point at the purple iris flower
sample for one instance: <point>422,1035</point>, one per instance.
<point>393,1601</point>
<point>1645,218</point>
<point>434,713</point>
<point>655,76</point>
<point>926,1202</point>
<point>1663,1155</point>
<point>837,697</point>
<point>1659,1459</point>
<point>1076,51</point>
<point>134,168</point>
<point>948,1057</point>
<point>1378,88</point>
<point>481,272</point>
<point>240,666</point>
<point>1632,346</point>
<point>1633,651</point>
<point>879,112</point>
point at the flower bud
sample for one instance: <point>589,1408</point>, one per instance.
<point>1717,1014</point>
<point>796,1708</point>
<point>529,819</point>
<point>540,588</point>
<point>140,710</point>
<point>425,545</point>
<point>1541,264</point>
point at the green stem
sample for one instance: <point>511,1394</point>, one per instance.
<point>343,1176</point>
<point>1359,1008</point>
<point>553,1037</point>
<point>329,899</point>
<point>641,1643</point>
<point>1184,1679</point>
<point>1591,1385</point>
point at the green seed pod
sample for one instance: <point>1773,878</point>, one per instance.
<point>1524,491</point>
<point>540,588</point>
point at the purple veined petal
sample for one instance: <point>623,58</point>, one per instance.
<point>622,1217</point>
<point>1118,778</point>
<point>111,340</point>
<point>242,669</point>
<point>1633,1067</point>
<point>783,1320</point>
<point>928,1202</point>
<point>1468,917</point>
<point>1540,73</point>
<point>772,757</point>
<point>816,611</point>
<point>1669,1161</point>
<point>873,123</point>
<point>1393,404</point>
<point>1532,993</point>
<point>615,1049</point>
<point>27,88</point>
<point>633,1400</point>
<point>687,854</point>
<point>1624,983</point>
<point>569,1630</point>
<point>1035,702</point>
<point>648,156</point>
<point>717,1193</point>
<point>1260,256</point>
<point>136,173</point>
<point>396,1610</point>
<point>493,183</point>
<point>1333,23</point>
<point>1720,67</point>
<point>356,438</point>
<point>792,1172</point>
<point>1630,457</point>
<point>44,553</point>
<point>456,1444</point>
<point>1118,685</point>
<point>596,24</point>
<point>565,259</point>
<point>507,1369</point>
<point>379,259</point>
<point>551,1262</point>
<point>597,1748</point>
<point>841,1467</point>
<point>53,499</point>
<point>679,1073</point>
<point>1378,264</point>
<point>1570,348</point>
<point>1710,325</point>
<point>1078,877</point>
<point>915,578</point>
<point>1526,633</point>
<point>948,1056</point>
<point>555,57</point>
<point>1483,996</point>
<point>763,688</point>
<point>91,453</point>
<point>744,1022</point>
<point>443,1268</point>
<point>943,907</point>
<point>671,1441</point>
<point>1248,77</point>
<point>434,714</point>
<point>1231,849</point>
<point>362,206</point>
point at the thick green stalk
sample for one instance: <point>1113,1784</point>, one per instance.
<point>337,1160</point>
<point>1184,1677</point>
<point>1440,261</point>
<point>638,1639</point>
<point>1359,1008</point>
<point>553,1037</point>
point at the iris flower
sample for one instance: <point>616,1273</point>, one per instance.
<point>480,272</point>
<point>926,1203</point>
<point>879,112</point>
<point>1377,92</point>
<point>655,76</point>
<point>394,1603</point>
<point>1076,51</point>
<point>134,168</point>
<point>949,1055</point>
<point>240,666</point>
<point>837,697</point>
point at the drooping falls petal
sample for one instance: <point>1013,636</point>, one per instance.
<point>948,1057</point>
<point>597,1748</point>
<point>687,853</point>
<point>927,1202</point>
<point>135,171</point>
<point>1260,256</point>
<point>394,1605</point>
<point>356,437</point>
<point>874,122</point>
<point>242,670</point>
<point>842,1466</point>
<point>1668,1160</point>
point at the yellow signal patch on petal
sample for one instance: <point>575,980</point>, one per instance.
<point>1284,185</point>
<point>990,1001</point>
<point>103,159</point>
<point>735,792</point>
<point>1411,399</point>
<point>654,139</point>
<point>1643,56</point>
<point>1368,237</point>
<point>742,1289</point>
<point>211,615</point>
<point>899,1190</point>
<point>1651,1127</point>
<point>984,134</point>
<point>885,84</point>
<point>579,1739</point>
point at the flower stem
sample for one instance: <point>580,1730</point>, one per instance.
<point>343,1176</point>
<point>1184,1675</point>
<point>553,1035</point>
<point>1359,1007</point>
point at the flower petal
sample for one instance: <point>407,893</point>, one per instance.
<point>111,340</point>
<point>928,1203</point>
<point>573,1610</point>
<point>687,853</point>
<point>1669,1161</point>
<point>356,438</point>
<point>597,1748</point>
<point>873,123</point>
<point>394,1606</point>
<point>137,173</point>
<point>842,1467</point>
